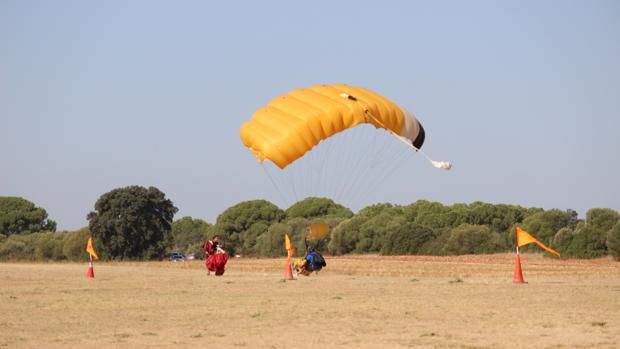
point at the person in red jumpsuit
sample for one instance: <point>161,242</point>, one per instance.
<point>215,256</point>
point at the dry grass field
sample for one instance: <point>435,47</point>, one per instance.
<point>356,302</point>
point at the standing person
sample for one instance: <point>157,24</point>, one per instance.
<point>208,247</point>
<point>215,256</point>
<point>212,246</point>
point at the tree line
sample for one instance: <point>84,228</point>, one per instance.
<point>137,223</point>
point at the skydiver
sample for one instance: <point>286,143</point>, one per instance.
<point>212,247</point>
<point>313,261</point>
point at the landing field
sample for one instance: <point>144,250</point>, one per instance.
<point>356,302</point>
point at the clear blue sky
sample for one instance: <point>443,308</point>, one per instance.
<point>523,96</point>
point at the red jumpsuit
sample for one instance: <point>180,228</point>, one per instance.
<point>215,260</point>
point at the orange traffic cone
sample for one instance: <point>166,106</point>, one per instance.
<point>518,278</point>
<point>91,271</point>
<point>288,271</point>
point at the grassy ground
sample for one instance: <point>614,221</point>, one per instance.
<point>356,302</point>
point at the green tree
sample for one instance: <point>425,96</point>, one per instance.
<point>234,225</point>
<point>188,232</point>
<point>317,207</point>
<point>133,222</point>
<point>473,239</point>
<point>20,216</point>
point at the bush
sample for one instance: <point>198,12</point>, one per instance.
<point>74,246</point>
<point>562,239</point>
<point>195,250</point>
<point>586,242</point>
<point>376,209</point>
<point>18,247</point>
<point>12,249</point>
<point>613,241</point>
<point>408,239</point>
<point>473,239</point>
<point>235,222</point>
<point>48,246</point>
<point>322,245</point>
<point>249,238</point>
<point>602,219</point>
<point>544,225</point>
<point>590,239</point>
<point>188,232</point>
<point>436,247</point>
<point>271,243</point>
<point>345,236</point>
<point>373,232</point>
<point>430,214</point>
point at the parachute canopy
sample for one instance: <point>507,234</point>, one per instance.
<point>292,124</point>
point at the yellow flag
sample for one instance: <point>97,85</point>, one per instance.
<point>524,238</point>
<point>90,249</point>
<point>317,231</point>
<point>288,246</point>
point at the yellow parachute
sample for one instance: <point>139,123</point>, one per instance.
<point>292,124</point>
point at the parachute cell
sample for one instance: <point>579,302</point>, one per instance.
<point>292,124</point>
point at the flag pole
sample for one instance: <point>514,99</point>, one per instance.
<point>288,270</point>
<point>518,275</point>
<point>517,239</point>
<point>91,272</point>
